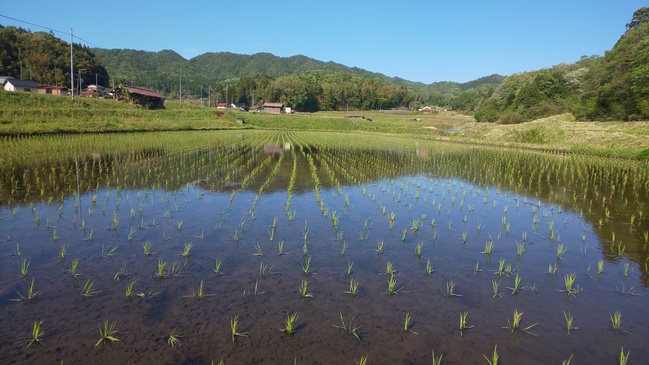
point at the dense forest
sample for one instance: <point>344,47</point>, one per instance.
<point>612,87</point>
<point>44,58</point>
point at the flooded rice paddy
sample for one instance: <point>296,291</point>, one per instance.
<point>193,248</point>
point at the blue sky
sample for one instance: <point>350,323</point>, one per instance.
<point>418,40</point>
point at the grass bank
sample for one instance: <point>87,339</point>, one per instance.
<point>42,114</point>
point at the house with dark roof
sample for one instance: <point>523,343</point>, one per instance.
<point>274,108</point>
<point>138,96</point>
<point>11,84</point>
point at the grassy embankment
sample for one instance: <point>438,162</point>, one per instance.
<point>41,114</point>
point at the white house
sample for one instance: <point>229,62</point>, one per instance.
<point>28,86</point>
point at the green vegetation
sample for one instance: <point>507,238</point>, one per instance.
<point>612,87</point>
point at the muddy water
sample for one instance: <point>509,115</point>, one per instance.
<point>229,220</point>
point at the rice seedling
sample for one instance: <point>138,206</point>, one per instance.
<point>600,267</point>
<point>495,285</point>
<point>429,268</point>
<point>265,269</point>
<point>29,296</point>
<point>24,267</point>
<point>407,325</point>
<point>173,339</point>
<point>179,225</point>
<point>176,269</point>
<point>463,322</point>
<point>626,269</point>
<point>616,321</point>
<point>379,247</point>
<point>520,248</point>
<point>418,250</point>
<point>234,324</point>
<point>450,289</point>
<point>392,216</point>
<point>62,250</point>
<point>186,249</point>
<point>569,282</point>
<point>392,283</point>
<point>17,250</point>
<point>517,282</point>
<point>389,269</point>
<point>350,265</point>
<point>73,268</point>
<point>567,362</point>
<point>37,334</point>
<point>108,251</point>
<point>414,226</point>
<point>623,290</point>
<point>624,358</point>
<point>339,235</point>
<point>306,265</point>
<point>569,319</point>
<point>55,236</point>
<point>344,248</point>
<point>303,289</point>
<point>88,289</point>
<point>353,287</point>
<point>489,247</point>
<point>363,360</point>
<point>561,250</point>
<point>493,359</point>
<point>403,235</point>
<point>437,360</point>
<point>289,324</point>
<point>258,252</point>
<point>160,273</point>
<point>349,328</point>
<point>552,268</point>
<point>121,273</point>
<point>107,333</point>
<point>200,293</point>
<point>146,246</point>
<point>476,268</point>
<point>129,288</point>
<point>515,325</point>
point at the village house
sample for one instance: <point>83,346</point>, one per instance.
<point>138,96</point>
<point>11,84</point>
<point>53,90</point>
<point>274,108</point>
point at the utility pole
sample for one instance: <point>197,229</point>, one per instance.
<point>79,80</point>
<point>71,67</point>
<point>180,93</point>
<point>226,95</point>
<point>209,97</point>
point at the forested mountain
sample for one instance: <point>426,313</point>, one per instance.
<point>612,87</point>
<point>45,58</point>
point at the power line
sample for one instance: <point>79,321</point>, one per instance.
<point>50,29</point>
